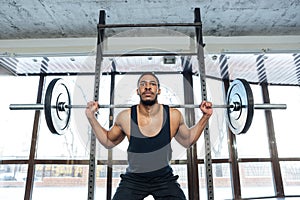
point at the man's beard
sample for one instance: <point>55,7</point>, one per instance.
<point>148,102</point>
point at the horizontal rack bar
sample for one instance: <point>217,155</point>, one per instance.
<point>150,54</point>
<point>102,26</point>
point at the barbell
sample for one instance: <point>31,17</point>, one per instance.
<point>239,114</point>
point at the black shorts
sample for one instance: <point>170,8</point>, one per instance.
<point>134,187</point>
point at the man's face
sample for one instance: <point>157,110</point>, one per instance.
<point>148,90</point>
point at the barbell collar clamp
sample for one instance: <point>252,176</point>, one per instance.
<point>61,106</point>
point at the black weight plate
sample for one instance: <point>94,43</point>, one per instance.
<point>239,120</point>
<point>57,120</point>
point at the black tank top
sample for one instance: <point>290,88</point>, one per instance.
<point>149,156</point>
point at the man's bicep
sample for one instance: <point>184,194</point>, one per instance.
<point>182,131</point>
<point>116,134</point>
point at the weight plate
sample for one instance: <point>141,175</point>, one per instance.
<point>57,119</point>
<point>240,117</point>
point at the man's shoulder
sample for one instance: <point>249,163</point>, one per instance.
<point>124,112</point>
<point>175,112</point>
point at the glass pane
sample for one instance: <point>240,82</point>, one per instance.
<point>286,122</point>
<point>202,180</point>
<point>291,177</point>
<point>60,182</point>
<point>256,180</point>
<point>101,181</point>
<point>16,125</point>
<point>83,92</point>
<point>222,181</point>
<point>75,142</point>
<point>150,40</point>
<point>12,181</point>
<point>217,122</point>
<point>257,133</point>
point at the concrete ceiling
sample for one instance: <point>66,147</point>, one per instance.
<point>58,32</point>
<point>21,19</point>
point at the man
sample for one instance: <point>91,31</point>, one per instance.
<point>149,127</point>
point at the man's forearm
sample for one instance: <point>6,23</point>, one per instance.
<point>197,130</point>
<point>100,133</point>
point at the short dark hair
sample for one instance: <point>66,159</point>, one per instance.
<point>149,73</point>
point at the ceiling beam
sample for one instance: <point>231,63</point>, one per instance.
<point>183,44</point>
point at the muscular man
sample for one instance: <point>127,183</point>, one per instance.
<point>149,127</point>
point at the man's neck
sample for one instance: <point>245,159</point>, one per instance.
<point>148,110</point>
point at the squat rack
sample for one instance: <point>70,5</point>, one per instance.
<point>192,164</point>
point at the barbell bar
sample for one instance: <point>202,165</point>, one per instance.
<point>64,106</point>
<point>240,106</point>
